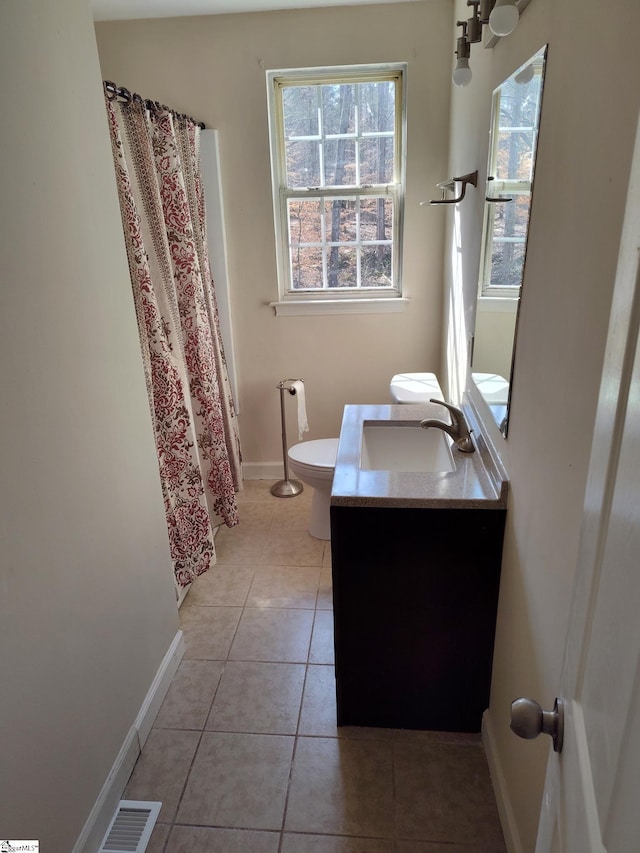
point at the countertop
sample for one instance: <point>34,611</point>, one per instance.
<point>478,482</point>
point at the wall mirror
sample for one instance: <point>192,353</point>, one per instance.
<point>515,118</point>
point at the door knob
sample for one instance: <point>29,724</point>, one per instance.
<point>528,720</point>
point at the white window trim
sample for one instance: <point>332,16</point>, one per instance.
<point>360,300</point>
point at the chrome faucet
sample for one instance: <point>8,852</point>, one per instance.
<point>457,429</point>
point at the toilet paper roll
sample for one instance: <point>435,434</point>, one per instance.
<point>303,424</point>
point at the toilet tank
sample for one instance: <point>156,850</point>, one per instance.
<point>415,388</point>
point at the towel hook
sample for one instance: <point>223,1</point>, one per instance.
<point>447,186</point>
<point>496,199</point>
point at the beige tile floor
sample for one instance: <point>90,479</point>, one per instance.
<point>245,755</point>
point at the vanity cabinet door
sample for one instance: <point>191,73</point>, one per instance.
<point>415,600</point>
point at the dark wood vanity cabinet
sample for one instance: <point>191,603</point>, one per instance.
<point>415,597</point>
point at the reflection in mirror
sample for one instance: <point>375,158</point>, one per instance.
<point>515,119</point>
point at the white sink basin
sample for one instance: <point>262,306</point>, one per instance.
<point>404,446</point>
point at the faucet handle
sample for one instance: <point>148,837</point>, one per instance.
<point>457,417</point>
<point>459,428</point>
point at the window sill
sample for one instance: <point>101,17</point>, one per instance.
<point>301,307</point>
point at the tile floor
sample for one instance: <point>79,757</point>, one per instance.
<point>245,755</point>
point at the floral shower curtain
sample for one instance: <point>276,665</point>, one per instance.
<point>156,157</point>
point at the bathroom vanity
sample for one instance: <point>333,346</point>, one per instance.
<point>416,567</point>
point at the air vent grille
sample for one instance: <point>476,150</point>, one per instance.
<point>131,827</point>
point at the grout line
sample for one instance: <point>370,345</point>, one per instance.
<point>206,718</point>
<point>302,698</point>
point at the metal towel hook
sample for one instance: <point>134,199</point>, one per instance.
<point>496,199</point>
<point>448,186</point>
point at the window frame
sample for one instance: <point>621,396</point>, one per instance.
<point>386,298</point>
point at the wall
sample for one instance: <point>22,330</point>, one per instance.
<point>493,342</point>
<point>214,68</point>
<point>589,116</point>
<point>87,604</point>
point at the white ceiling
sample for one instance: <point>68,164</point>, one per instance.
<point>118,10</point>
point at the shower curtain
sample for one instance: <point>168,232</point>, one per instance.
<point>156,157</point>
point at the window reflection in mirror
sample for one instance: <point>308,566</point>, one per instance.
<point>515,119</point>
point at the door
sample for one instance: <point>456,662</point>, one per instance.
<point>591,801</point>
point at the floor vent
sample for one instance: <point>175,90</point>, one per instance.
<point>131,827</point>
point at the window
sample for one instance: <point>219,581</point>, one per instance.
<point>512,151</point>
<point>338,172</point>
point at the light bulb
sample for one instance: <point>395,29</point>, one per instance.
<point>462,73</point>
<point>525,76</point>
<point>504,18</point>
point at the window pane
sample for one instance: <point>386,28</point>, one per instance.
<point>507,262</point>
<point>376,219</point>
<point>339,162</point>
<point>300,106</point>
<point>510,222</point>
<point>306,268</point>
<point>376,160</point>
<point>342,267</point>
<point>519,102</point>
<point>376,266</point>
<point>338,108</point>
<point>303,164</point>
<point>514,158</point>
<point>377,107</point>
<point>340,220</point>
<point>305,221</point>
<point>511,218</point>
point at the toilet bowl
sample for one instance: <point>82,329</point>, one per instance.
<point>314,462</point>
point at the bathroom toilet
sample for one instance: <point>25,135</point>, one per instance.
<point>493,387</point>
<point>415,388</point>
<point>314,461</point>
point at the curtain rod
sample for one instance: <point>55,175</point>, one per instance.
<point>114,91</point>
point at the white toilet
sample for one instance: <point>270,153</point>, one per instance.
<point>493,387</point>
<point>415,388</point>
<point>314,462</point>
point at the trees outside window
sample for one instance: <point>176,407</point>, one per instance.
<point>514,133</point>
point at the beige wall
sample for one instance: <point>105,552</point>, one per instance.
<point>87,604</point>
<point>589,115</point>
<point>214,68</point>
<point>493,342</point>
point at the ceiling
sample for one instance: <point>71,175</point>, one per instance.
<point>119,10</point>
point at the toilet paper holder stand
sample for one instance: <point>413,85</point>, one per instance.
<point>286,488</point>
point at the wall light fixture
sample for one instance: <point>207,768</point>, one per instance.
<point>501,16</point>
<point>462,73</point>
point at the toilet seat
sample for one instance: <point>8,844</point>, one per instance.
<point>314,463</point>
<point>317,456</point>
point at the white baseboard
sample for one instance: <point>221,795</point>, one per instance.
<point>181,594</point>
<point>263,470</point>
<point>500,789</point>
<point>104,807</point>
<point>159,687</point>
